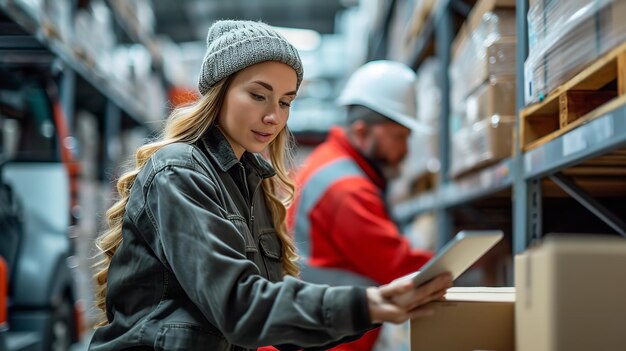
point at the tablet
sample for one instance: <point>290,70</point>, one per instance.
<point>457,255</point>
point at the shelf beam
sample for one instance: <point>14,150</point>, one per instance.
<point>472,187</point>
<point>588,141</point>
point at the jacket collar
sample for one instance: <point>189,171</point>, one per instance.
<point>217,147</point>
<point>339,137</point>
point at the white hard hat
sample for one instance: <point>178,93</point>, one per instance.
<point>387,87</point>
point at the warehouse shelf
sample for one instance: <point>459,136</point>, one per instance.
<point>120,97</point>
<point>478,185</point>
<point>134,32</point>
<point>471,187</point>
<point>425,202</point>
<point>602,133</point>
<point>426,35</point>
<point>597,137</point>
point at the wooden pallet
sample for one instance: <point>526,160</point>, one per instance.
<point>597,90</point>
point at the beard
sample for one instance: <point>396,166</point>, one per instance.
<point>388,170</point>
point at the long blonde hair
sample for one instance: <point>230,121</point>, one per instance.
<point>187,124</point>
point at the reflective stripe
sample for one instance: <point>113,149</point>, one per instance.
<point>311,192</point>
<point>333,276</point>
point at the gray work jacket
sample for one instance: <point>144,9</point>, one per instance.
<point>199,267</point>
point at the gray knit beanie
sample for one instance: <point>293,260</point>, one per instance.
<point>235,45</point>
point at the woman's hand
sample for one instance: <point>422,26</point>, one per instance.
<point>401,300</point>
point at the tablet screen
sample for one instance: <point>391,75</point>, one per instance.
<point>458,254</point>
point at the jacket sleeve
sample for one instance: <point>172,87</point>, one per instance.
<point>206,254</point>
<point>363,232</point>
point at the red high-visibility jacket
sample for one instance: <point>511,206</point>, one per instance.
<point>340,221</point>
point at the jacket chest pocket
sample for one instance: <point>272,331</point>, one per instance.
<point>252,250</point>
<point>242,226</point>
<point>271,252</point>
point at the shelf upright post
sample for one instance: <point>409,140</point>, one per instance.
<point>67,93</point>
<point>112,131</point>
<point>379,41</point>
<point>443,42</point>
<point>526,203</point>
<point>67,87</point>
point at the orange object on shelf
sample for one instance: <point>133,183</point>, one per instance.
<point>179,96</point>
<point>4,278</point>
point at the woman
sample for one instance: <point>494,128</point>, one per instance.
<point>197,256</point>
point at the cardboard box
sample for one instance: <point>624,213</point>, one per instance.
<point>473,68</point>
<point>501,20</point>
<point>494,97</point>
<point>484,47</point>
<point>485,6</point>
<point>571,295</point>
<point>497,98</point>
<point>481,144</point>
<point>469,319</point>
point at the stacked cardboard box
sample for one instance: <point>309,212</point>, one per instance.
<point>480,143</point>
<point>428,112</point>
<point>482,52</point>
<point>482,75</point>
<point>571,294</point>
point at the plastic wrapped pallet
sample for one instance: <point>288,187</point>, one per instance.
<point>494,97</point>
<point>480,144</point>
<point>421,157</point>
<point>422,160</point>
<point>460,151</point>
<point>138,14</point>
<point>546,19</point>
<point>419,166</point>
<point>429,92</point>
<point>103,35</point>
<point>83,45</point>
<point>94,38</point>
<point>485,52</point>
<point>429,110</point>
<point>57,19</point>
<point>565,37</point>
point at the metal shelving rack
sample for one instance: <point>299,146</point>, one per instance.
<point>474,186</point>
<point>120,103</point>
<point>522,172</point>
<point>450,193</point>
<point>119,98</point>
<point>135,34</point>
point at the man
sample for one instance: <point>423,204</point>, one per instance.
<point>339,218</point>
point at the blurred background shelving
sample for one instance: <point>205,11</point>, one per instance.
<point>572,181</point>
